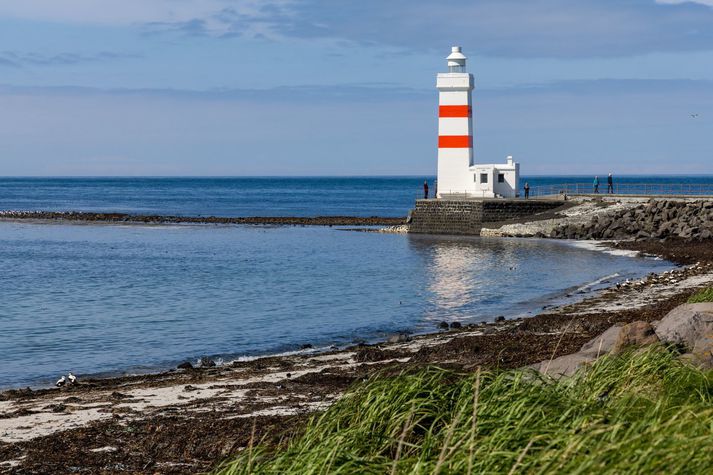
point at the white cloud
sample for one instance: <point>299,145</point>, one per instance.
<point>118,12</point>
<point>702,2</point>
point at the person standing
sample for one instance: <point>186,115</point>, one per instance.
<point>527,190</point>
<point>610,184</point>
<point>425,189</point>
<point>596,184</point>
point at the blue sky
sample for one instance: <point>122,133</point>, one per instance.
<point>336,87</point>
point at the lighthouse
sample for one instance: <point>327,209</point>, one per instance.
<point>458,174</point>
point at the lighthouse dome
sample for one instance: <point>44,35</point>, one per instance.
<point>456,60</point>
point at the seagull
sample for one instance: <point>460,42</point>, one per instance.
<point>694,115</point>
<point>72,378</point>
<point>61,382</point>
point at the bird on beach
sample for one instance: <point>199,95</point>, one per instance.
<point>72,378</point>
<point>61,382</point>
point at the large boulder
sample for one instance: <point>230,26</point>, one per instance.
<point>691,327</point>
<point>565,365</point>
<point>634,334</point>
<point>686,324</point>
<point>602,344</point>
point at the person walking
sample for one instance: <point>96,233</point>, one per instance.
<point>610,184</point>
<point>425,189</point>
<point>527,190</point>
<point>596,184</point>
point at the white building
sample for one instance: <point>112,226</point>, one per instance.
<point>458,175</point>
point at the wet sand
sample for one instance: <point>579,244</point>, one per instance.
<point>186,421</point>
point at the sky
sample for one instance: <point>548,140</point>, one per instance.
<point>337,87</point>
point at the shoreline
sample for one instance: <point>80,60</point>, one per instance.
<point>209,412</point>
<point>564,299</point>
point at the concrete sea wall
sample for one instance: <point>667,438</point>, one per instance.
<point>468,216</point>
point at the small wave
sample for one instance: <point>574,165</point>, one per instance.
<point>603,280</point>
<point>601,246</point>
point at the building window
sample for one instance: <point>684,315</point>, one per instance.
<point>483,177</point>
<point>501,178</point>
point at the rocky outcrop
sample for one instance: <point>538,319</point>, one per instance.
<point>688,326</point>
<point>634,334</point>
<point>657,219</point>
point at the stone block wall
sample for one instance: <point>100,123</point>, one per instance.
<point>467,216</point>
<point>503,210</point>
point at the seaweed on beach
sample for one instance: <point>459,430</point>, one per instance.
<point>644,412</point>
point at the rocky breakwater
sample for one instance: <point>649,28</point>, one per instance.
<point>658,219</point>
<point>72,216</point>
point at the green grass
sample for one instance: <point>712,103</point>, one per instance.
<point>637,413</point>
<point>705,295</point>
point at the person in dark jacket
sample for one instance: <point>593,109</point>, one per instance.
<point>425,190</point>
<point>610,184</point>
<point>527,190</point>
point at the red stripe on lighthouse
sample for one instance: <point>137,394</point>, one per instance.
<point>454,111</point>
<point>454,141</point>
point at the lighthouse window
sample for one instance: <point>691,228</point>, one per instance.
<point>483,177</point>
<point>501,178</point>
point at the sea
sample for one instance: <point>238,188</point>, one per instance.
<point>109,299</point>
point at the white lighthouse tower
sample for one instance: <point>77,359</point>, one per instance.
<point>458,175</point>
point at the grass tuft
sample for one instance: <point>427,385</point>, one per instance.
<point>646,412</point>
<point>705,295</point>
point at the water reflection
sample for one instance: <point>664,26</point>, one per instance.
<point>476,279</point>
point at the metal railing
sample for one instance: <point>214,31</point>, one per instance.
<point>632,189</point>
<point>682,189</point>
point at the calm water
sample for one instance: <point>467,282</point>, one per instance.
<point>388,196</point>
<point>107,298</point>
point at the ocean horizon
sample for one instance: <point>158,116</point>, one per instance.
<point>252,196</point>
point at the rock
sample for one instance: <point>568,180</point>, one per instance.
<point>306,346</point>
<point>58,407</point>
<point>206,362</point>
<point>500,319</point>
<point>399,338</point>
<point>185,365</point>
<point>703,350</point>
<point>602,344</point>
<point>687,324</point>
<point>443,325</point>
<point>456,325</point>
<point>565,365</point>
<point>634,334</point>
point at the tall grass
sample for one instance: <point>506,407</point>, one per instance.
<point>638,413</point>
<point>705,295</point>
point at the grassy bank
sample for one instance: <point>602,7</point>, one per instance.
<point>638,413</point>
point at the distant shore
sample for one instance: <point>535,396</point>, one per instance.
<point>122,218</point>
